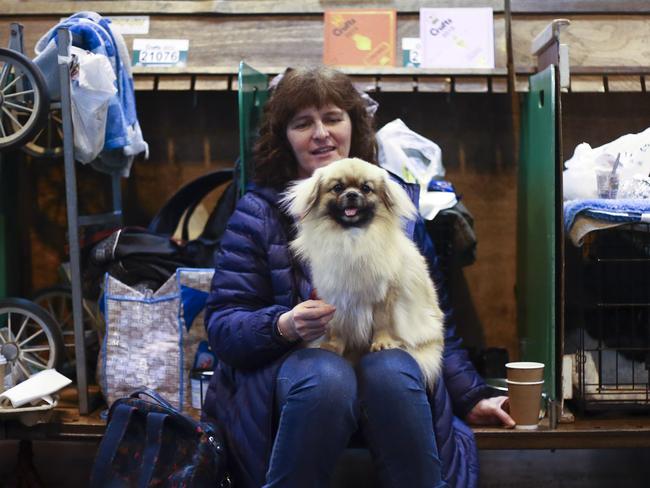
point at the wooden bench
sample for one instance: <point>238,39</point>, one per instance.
<point>602,431</point>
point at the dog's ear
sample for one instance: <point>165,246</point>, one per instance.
<point>396,199</point>
<point>302,196</point>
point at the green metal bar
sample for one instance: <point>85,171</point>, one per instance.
<point>536,227</point>
<point>252,95</point>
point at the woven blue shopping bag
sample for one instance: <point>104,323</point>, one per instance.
<point>152,336</point>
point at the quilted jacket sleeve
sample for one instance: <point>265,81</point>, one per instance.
<point>241,310</point>
<point>464,384</point>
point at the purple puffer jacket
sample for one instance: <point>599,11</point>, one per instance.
<point>254,283</point>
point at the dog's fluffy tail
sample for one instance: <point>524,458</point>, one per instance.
<point>429,358</point>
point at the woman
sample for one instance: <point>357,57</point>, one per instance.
<point>287,411</point>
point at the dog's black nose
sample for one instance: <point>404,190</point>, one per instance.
<point>352,197</point>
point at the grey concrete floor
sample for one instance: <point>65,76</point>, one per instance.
<point>68,464</point>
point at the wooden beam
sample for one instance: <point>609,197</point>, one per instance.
<point>220,7</point>
<point>522,83</point>
<point>174,83</point>
<point>586,83</point>
<point>365,83</point>
<point>211,83</point>
<point>144,83</point>
<point>396,84</point>
<point>623,83</point>
<point>579,6</point>
<point>499,84</point>
<point>464,84</point>
<point>441,84</point>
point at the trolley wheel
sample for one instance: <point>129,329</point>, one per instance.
<point>48,141</point>
<point>57,301</point>
<point>24,101</point>
<point>30,340</point>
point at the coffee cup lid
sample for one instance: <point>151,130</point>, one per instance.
<point>524,365</point>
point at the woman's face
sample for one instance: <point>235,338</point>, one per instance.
<point>319,136</point>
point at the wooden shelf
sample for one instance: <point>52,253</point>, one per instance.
<point>274,70</point>
<point>372,80</point>
<point>598,79</point>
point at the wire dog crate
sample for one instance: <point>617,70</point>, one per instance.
<point>613,343</point>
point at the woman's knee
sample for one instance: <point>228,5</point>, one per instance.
<point>318,375</point>
<point>390,369</point>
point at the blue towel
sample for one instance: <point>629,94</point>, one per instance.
<point>621,211</point>
<point>123,138</point>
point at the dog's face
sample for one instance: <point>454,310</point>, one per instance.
<point>351,192</point>
<point>350,198</point>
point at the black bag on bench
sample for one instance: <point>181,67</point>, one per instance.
<point>149,443</point>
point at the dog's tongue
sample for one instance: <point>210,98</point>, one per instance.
<point>351,212</point>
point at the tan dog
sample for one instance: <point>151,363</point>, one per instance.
<point>350,217</point>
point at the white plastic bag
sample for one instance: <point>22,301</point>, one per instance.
<point>409,155</point>
<point>91,90</point>
<point>580,174</point>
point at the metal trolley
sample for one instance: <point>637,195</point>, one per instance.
<point>29,335</point>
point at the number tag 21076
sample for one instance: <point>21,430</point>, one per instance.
<point>160,52</point>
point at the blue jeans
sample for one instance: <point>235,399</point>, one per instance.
<point>322,401</point>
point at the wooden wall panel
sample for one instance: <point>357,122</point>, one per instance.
<point>475,134</point>
<point>593,40</point>
<point>262,41</point>
<point>240,7</point>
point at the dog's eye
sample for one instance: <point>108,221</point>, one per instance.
<point>366,188</point>
<point>338,188</point>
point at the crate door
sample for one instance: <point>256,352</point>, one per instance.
<point>536,227</point>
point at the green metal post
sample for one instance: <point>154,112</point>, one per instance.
<point>252,95</point>
<point>536,227</point>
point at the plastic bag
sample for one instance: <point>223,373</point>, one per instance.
<point>580,174</point>
<point>91,90</point>
<point>409,155</point>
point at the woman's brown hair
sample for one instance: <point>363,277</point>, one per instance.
<point>275,163</point>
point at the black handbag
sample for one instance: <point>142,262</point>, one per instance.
<point>149,443</point>
<point>148,257</point>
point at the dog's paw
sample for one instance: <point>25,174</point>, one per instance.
<point>334,346</point>
<point>385,343</point>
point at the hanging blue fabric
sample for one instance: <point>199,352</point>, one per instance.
<point>123,136</point>
<point>193,302</point>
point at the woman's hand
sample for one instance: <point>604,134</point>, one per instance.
<point>491,411</point>
<point>307,320</point>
